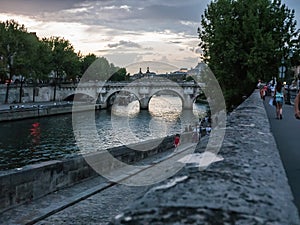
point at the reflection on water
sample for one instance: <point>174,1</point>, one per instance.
<point>34,140</point>
<point>168,108</point>
<point>35,133</point>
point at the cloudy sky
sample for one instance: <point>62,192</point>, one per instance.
<point>123,31</point>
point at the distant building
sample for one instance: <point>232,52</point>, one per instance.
<point>183,70</point>
<point>177,76</point>
<point>197,70</point>
<point>140,74</point>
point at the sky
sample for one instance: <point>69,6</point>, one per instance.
<point>125,32</point>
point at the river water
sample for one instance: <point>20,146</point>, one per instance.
<point>30,141</point>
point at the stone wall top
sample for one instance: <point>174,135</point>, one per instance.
<point>248,187</point>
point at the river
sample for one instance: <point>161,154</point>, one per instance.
<point>30,141</point>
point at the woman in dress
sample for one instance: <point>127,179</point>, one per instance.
<point>278,95</point>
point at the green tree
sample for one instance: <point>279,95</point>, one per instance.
<point>25,64</point>
<point>13,45</point>
<point>243,41</point>
<point>87,61</point>
<point>65,62</point>
<point>42,62</point>
<point>120,75</point>
<point>100,70</point>
<point>40,65</point>
<point>72,66</point>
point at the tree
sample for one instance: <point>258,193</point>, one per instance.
<point>65,62</point>
<point>120,75</point>
<point>100,70</point>
<point>244,41</point>
<point>40,65</point>
<point>72,66</point>
<point>42,62</point>
<point>25,64</point>
<point>13,46</point>
<point>87,61</point>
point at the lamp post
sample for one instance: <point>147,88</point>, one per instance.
<point>282,69</point>
<point>21,89</point>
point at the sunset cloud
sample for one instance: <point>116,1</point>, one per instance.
<point>124,31</point>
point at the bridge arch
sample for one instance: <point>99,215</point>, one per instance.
<point>79,96</point>
<point>119,97</point>
<point>165,93</point>
<point>143,89</point>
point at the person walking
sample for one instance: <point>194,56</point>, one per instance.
<point>195,135</point>
<point>261,89</point>
<point>278,95</point>
<point>176,140</point>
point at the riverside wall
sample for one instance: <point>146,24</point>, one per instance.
<point>21,185</point>
<point>27,111</point>
<point>249,186</point>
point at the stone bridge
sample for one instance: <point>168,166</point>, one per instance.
<point>105,93</point>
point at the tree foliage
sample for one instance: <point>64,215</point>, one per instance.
<point>14,44</point>
<point>120,75</point>
<point>99,70</point>
<point>243,41</point>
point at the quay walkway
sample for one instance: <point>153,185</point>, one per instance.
<point>249,185</point>
<point>286,133</point>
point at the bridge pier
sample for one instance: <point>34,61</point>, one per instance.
<point>187,102</point>
<point>144,103</point>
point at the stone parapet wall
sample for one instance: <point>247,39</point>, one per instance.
<point>249,186</point>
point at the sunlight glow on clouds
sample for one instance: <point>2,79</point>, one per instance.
<point>124,31</point>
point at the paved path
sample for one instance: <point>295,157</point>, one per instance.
<point>286,133</point>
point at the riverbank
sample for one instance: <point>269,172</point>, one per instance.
<point>9,112</point>
<point>34,181</point>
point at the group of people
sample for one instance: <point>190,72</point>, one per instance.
<point>277,92</point>
<point>198,130</point>
<point>278,98</point>
<point>266,89</point>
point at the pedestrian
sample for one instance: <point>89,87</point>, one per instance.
<point>195,135</point>
<point>186,129</point>
<point>262,92</point>
<point>176,140</point>
<point>259,84</point>
<point>208,129</point>
<point>272,90</point>
<point>278,95</point>
<point>265,91</point>
<point>296,106</point>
